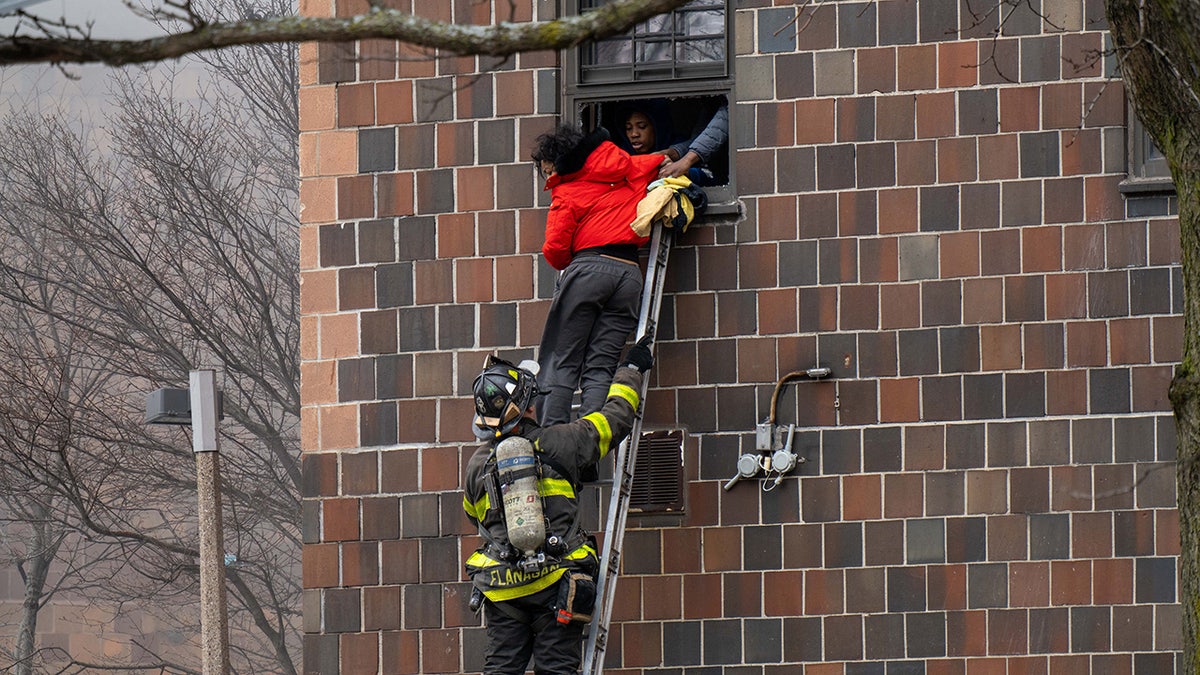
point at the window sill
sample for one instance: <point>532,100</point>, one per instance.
<point>722,211</point>
<point>1143,186</point>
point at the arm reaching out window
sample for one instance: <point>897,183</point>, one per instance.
<point>700,149</point>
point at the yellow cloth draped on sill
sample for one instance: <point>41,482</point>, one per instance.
<point>665,202</point>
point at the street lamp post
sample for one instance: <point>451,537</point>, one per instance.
<point>161,408</point>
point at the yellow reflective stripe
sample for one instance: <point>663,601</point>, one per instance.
<point>480,559</point>
<point>625,392</point>
<point>601,423</point>
<point>556,487</point>
<point>585,551</point>
<point>501,594</point>
<point>477,509</point>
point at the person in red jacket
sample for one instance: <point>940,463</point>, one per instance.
<point>595,188</point>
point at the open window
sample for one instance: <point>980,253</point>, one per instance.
<point>672,125</point>
<point>676,71</point>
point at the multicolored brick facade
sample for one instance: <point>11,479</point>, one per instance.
<point>933,213</point>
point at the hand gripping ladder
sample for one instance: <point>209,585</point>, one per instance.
<point>661,239</point>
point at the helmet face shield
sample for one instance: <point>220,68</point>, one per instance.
<point>502,394</point>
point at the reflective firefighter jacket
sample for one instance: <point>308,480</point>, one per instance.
<point>564,450</point>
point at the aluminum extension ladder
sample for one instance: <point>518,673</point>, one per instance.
<point>661,239</point>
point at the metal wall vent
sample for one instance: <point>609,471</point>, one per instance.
<point>658,473</point>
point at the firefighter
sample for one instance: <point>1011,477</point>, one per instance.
<point>535,606</point>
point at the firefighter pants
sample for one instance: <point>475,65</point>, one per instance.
<point>594,310</point>
<point>528,630</point>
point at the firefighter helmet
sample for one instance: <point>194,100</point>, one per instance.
<point>503,392</point>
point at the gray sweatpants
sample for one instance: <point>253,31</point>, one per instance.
<point>595,308</point>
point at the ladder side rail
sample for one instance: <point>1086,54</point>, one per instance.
<point>618,508</point>
<point>660,245</point>
<point>656,273</point>
<point>610,559</point>
<point>597,636</point>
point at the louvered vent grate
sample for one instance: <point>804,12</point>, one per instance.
<point>658,473</point>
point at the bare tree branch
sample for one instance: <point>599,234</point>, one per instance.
<point>67,44</point>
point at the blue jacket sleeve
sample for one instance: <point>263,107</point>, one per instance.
<point>710,139</point>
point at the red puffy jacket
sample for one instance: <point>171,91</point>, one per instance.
<point>594,195</point>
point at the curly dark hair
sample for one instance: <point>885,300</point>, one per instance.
<point>553,145</point>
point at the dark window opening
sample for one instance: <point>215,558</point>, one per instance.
<point>672,126</point>
<point>679,67</point>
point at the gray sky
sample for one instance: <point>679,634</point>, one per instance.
<point>79,88</point>
<point>109,18</point>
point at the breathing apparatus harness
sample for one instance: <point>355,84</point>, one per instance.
<point>513,471</point>
<point>507,477</point>
<point>512,477</point>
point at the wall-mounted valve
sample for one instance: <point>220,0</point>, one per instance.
<point>778,462</point>
<point>775,456</point>
<point>748,466</point>
<point>784,460</point>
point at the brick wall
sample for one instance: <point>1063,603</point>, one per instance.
<point>989,482</point>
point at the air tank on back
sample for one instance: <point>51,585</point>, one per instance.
<point>516,467</point>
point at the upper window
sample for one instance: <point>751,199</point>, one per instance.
<point>1147,166</point>
<point>687,43</point>
<point>666,86</point>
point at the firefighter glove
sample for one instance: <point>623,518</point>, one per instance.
<point>640,358</point>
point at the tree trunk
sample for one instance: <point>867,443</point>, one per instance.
<point>1185,397</point>
<point>1158,50</point>
<point>26,632</point>
<point>42,552</point>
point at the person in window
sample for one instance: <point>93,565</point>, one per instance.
<point>702,156</point>
<point>595,187</point>
<point>640,132</point>
<point>646,127</point>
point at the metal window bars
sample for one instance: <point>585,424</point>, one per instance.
<point>690,42</point>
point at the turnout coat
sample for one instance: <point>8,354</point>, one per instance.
<point>564,451</point>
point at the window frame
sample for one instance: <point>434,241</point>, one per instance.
<point>1146,167</point>
<point>577,67</point>
<point>578,96</point>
